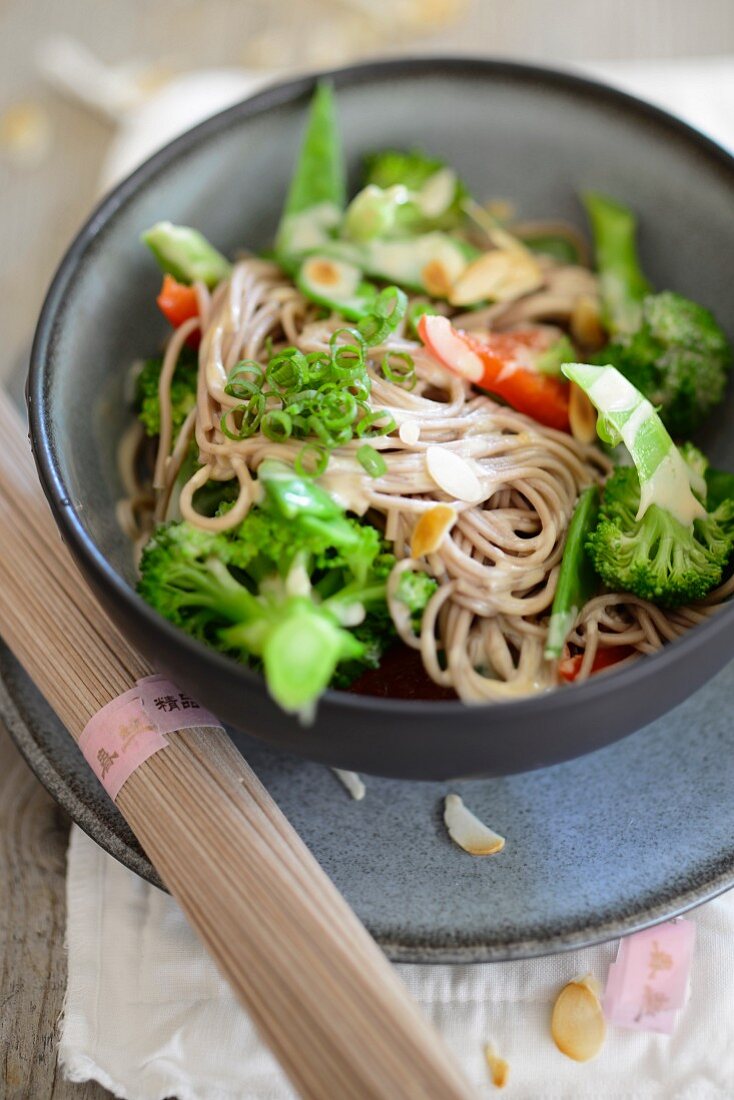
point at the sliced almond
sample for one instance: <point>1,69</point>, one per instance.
<point>468,831</point>
<point>453,474</point>
<point>352,782</point>
<point>429,531</point>
<point>500,275</point>
<point>436,279</point>
<point>581,415</point>
<point>499,1068</point>
<point>578,1027</point>
<point>585,323</point>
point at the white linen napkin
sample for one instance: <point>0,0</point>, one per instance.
<point>147,1015</point>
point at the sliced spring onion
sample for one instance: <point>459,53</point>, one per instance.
<point>277,425</point>
<point>398,367</point>
<point>370,425</point>
<point>386,314</point>
<point>311,460</point>
<point>249,416</point>
<point>245,378</point>
<point>287,370</point>
<point>371,460</point>
<point>347,359</point>
<point>338,409</point>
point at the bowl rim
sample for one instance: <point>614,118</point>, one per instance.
<point>278,94</point>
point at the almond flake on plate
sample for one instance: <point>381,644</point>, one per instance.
<point>352,782</point>
<point>499,1068</point>
<point>468,831</point>
<point>429,531</point>
<point>453,474</point>
<point>578,1027</point>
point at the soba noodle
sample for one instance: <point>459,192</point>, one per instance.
<point>484,629</point>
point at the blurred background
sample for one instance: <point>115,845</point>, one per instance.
<point>88,87</point>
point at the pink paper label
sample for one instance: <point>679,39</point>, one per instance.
<point>126,732</point>
<point>647,984</point>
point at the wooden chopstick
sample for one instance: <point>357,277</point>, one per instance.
<point>321,993</point>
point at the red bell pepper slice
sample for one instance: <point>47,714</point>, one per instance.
<point>501,363</point>
<point>569,667</point>
<point>178,303</point>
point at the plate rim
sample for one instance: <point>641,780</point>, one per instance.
<point>56,782</point>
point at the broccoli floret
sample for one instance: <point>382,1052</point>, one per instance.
<point>657,557</point>
<point>670,348</point>
<point>413,170</point>
<point>678,357</point>
<point>389,167</point>
<point>298,587</point>
<point>415,590</point>
<point>183,393</point>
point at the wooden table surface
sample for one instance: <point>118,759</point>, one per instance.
<point>42,205</point>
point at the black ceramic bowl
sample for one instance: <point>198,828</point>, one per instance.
<point>535,136</point>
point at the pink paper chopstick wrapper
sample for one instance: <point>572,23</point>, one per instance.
<point>131,728</point>
<point>647,984</point>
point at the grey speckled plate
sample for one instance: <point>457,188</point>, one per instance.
<point>598,847</point>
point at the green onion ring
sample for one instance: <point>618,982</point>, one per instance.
<point>398,367</point>
<point>321,459</point>
<point>368,423</point>
<point>251,413</point>
<point>387,313</point>
<point>371,461</point>
<point>288,370</point>
<point>241,386</point>
<point>277,425</point>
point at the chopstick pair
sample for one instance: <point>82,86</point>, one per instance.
<point>319,990</point>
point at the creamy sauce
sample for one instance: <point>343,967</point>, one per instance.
<point>348,490</point>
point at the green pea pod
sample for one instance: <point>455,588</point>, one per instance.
<point>623,283</point>
<point>577,581</point>
<point>317,193</point>
<point>186,254</point>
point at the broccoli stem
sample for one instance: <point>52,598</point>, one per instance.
<point>623,284</point>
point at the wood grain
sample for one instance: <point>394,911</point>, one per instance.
<point>33,839</point>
